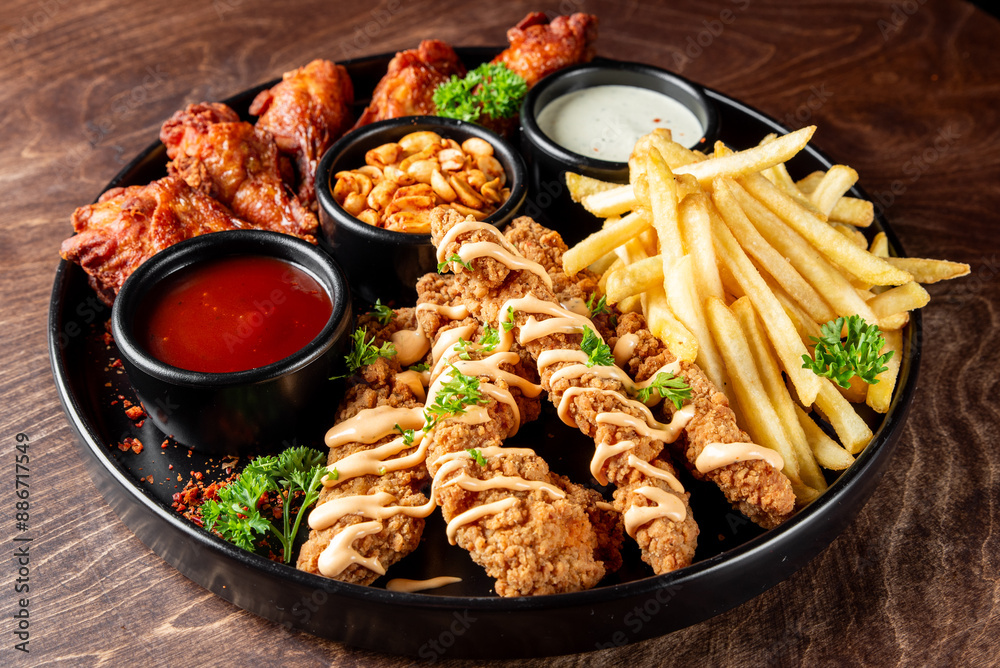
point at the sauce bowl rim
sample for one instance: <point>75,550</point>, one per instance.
<point>539,140</point>
<point>229,243</point>
<point>516,181</point>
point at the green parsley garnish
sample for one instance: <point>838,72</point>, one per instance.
<point>384,314</point>
<point>235,515</point>
<point>423,366</point>
<point>600,307</point>
<point>364,352</point>
<point>598,352</point>
<point>492,90</point>
<point>463,347</point>
<point>490,339</point>
<point>856,355</point>
<point>453,396</point>
<point>408,434</point>
<point>669,387</point>
<point>335,474</point>
<point>382,470</point>
<point>455,257</point>
<point>508,320</point>
<point>478,456</point>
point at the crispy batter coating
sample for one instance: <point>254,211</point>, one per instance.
<point>230,160</point>
<point>407,89</point>
<point>484,290</point>
<point>541,545</point>
<point>127,226</point>
<point>375,386</point>
<point>305,113</point>
<point>539,47</point>
<point>754,487</point>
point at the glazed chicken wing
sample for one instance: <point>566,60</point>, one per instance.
<point>538,47</point>
<point>407,89</point>
<point>230,160</point>
<point>305,113</point>
<point>127,226</point>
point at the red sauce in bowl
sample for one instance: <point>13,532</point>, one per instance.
<point>232,314</point>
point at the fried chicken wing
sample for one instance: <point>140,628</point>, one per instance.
<point>539,47</point>
<point>407,89</point>
<point>127,226</point>
<point>230,160</point>
<point>306,113</point>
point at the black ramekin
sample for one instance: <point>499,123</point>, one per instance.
<point>385,264</point>
<point>548,161</point>
<point>269,407</point>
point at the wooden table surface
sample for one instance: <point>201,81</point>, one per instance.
<point>907,92</point>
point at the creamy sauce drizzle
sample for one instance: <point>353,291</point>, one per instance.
<point>458,312</point>
<point>411,345</point>
<point>413,380</point>
<point>666,505</point>
<point>576,305</point>
<point>477,513</point>
<point>411,586</point>
<point>339,554</point>
<point>717,455</point>
<point>625,348</point>
<point>602,453</point>
<point>476,249</point>
<point>656,472</point>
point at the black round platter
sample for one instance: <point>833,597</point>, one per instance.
<point>735,560</point>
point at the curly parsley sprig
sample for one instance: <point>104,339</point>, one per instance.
<point>841,358</point>
<point>235,515</point>
<point>492,90</point>
<point>382,312</point>
<point>454,257</point>
<point>453,397</point>
<point>669,387</point>
<point>598,352</point>
<point>365,352</point>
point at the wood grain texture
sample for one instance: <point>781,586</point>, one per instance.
<point>909,99</point>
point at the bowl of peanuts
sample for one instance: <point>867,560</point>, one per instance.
<point>378,185</point>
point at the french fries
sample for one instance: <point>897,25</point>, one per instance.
<point>738,267</point>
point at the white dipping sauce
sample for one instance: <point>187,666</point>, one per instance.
<point>604,122</point>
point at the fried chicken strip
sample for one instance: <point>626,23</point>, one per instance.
<point>516,555</point>
<point>127,226</point>
<point>371,537</point>
<point>753,487</point>
<point>539,47</point>
<point>407,89</point>
<point>305,113</point>
<point>228,159</point>
<point>648,494</point>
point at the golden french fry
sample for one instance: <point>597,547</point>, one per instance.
<point>581,186</point>
<point>856,393</point>
<point>686,305</point>
<point>835,289</point>
<point>880,393</point>
<point>621,199</point>
<point>880,247</point>
<point>851,429</point>
<point>834,246</point>
<point>758,412</point>
<point>603,263</point>
<point>696,231</point>
<point>787,344</point>
<point>631,304</point>
<point>773,262</point>
<point>675,154</point>
<point>602,282</point>
<point>604,241</point>
<point>779,176</point>
<point>663,205</point>
<point>895,321</point>
<point>807,185</point>
<point>899,299</point>
<point>777,392</point>
<point>852,211</point>
<point>633,279</point>
<point>927,271</point>
<point>611,202</point>
<point>828,452</point>
<point>854,235</point>
<point>834,184</point>
<point>666,327</point>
